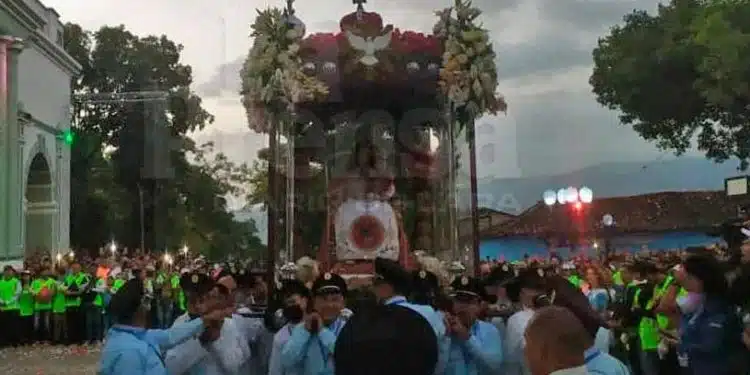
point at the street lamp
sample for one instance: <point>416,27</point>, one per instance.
<point>586,195</point>
<point>113,247</point>
<point>608,222</point>
<point>570,195</point>
<point>550,197</point>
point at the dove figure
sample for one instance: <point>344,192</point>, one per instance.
<point>369,46</point>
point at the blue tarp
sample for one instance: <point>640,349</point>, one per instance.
<point>514,248</point>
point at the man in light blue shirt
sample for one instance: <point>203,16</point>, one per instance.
<point>310,348</point>
<point>296,297</point>
<point>475,345</point>
<point>131,348</point>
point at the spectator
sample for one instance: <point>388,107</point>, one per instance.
<point>710,331</point>
<point>555,343</point>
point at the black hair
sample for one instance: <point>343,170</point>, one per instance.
<point>127,301</point>
<point>710,272</point>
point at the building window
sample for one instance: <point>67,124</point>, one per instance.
<point>59,40</point>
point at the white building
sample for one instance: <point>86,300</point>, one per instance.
<point>35,85</point>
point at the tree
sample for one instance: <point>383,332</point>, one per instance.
<point>680,77</point>
<point>109,192</point>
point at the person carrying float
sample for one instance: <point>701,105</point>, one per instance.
<point>221,348</point>
<point>310,348</point>
<point>295,297</point>
<point>475,345</point>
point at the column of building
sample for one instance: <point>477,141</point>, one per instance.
<point>5,42</point>
<point>15,155</point>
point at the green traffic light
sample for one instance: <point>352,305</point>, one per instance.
<point>68,137</point>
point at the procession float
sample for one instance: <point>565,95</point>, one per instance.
<point>371,137</point>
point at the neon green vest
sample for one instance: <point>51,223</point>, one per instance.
<point>79,281</point>
<point>26,302</point>
<point>178,293</point>
<point>99,299</point>
<point>575,280</point>
<point>648,330</point>
<point>116,285</point>
<point>8,289</point>
<point>617,278</point>
<point>661,319</point>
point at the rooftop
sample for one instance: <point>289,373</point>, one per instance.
<point>663,211</point>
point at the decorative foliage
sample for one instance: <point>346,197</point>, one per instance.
<point>468,77</point>
<point>272,77</point>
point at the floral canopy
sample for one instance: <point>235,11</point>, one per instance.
<point>368,64</point>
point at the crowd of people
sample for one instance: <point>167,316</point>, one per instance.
<point>655,313</point>
<point>65,299</point>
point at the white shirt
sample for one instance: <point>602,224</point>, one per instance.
<point>225,356</point>
<point>515,342</point>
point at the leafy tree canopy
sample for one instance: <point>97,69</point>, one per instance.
<point>116,140</point>
<point>680,77</point>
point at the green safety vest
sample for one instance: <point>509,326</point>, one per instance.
<point>648,330</point>
<point>575,280</point>
<point>36,287</point>
<point>59,302</point>
<point>116,285</point>
<point>26,302</point>
<point>79,281</point>
<point>8,290</point>
<point>662,321</point>
<point>99,299</point>
<point>617,278</point>
<point>181,302</point>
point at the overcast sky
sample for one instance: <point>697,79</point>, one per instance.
<point>544,58</point>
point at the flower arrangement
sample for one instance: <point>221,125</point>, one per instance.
<point>272,77</point>
<point>468,77</point>
<point>284,68</point>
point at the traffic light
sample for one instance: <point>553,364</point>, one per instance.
<point>68,136</point>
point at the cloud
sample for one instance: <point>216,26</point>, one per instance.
<point>544,48</point>
<point>548,52</point>
<point>593,16</point>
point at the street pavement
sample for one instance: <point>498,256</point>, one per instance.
<point>49,360</point>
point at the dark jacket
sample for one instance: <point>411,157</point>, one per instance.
<point>711,338</point>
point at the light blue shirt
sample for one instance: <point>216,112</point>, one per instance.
<point>274,364</point>
<point>308,354</point>
<point>435,319</point>
<point>481,354</point>
<point>139,351</point>
<point>601,363</point>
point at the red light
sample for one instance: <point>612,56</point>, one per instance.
<point>578,206</point>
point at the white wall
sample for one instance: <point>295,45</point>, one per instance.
<point>44,88</point>
<point>44,91</point>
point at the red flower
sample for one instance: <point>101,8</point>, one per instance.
<point>410,42</point>
<point>367,232</point>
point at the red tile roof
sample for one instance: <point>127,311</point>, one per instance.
<point>642,213</point>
